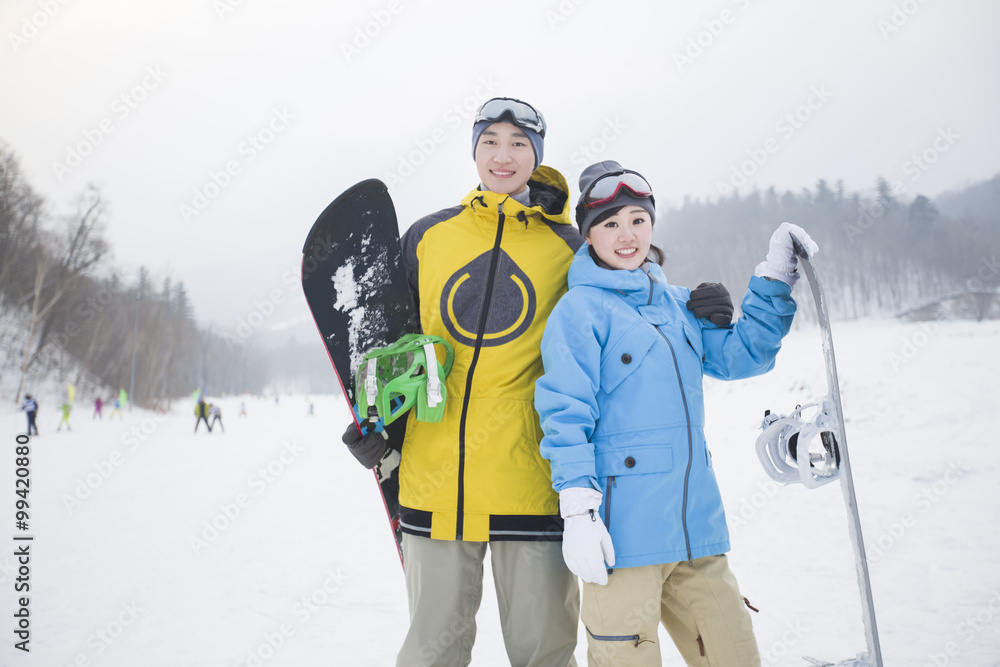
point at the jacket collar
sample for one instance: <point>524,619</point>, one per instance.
<point>549,199</point>
<point>640,287</point>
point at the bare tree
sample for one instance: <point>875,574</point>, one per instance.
<point>65,255</point>
<point>21,210</point>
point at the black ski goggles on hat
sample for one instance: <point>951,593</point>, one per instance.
<point>512,110</point>
<point>607,187</point>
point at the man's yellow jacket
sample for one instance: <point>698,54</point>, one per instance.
<point>485,275</point>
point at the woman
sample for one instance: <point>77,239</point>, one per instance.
<point>621,406</point>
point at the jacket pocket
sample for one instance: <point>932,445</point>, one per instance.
<point>624,356</point>
<point>637,460</point>
<point>635,640</point>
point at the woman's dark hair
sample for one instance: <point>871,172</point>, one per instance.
<point>656,255</point>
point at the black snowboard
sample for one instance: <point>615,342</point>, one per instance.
<point>355,284</point>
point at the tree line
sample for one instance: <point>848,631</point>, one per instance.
<point>882,252</point>
<point>54,271</point>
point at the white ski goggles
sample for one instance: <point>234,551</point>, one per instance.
<point>512,110</point>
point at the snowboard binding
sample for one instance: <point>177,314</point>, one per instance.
<point>789,450</point>
<point>404,375</point>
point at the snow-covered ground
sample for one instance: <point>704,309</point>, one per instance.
<point>267,545</point>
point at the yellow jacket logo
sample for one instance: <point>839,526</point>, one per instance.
<point>511,309</point>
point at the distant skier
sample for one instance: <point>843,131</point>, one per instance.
<point>116,410</point>
<point>30,407</point>
<point>243,409</point>
<point>98,405</point>
<point>216,414</point>
<point>201,413</point>
<point>311,412</point>
<point>66,409</point>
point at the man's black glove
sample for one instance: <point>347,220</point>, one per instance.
<point>367,449</point>
<point>712,301</point>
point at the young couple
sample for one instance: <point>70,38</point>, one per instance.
<point>580,452</point>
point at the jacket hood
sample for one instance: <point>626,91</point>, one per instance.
<point>549,198</point>
<point>640,287</point>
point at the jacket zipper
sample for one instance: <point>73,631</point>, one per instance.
<point>607,502</point>
<point>687,417</point>
<point>480,333</point>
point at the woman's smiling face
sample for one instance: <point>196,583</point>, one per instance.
<point>622,240</point>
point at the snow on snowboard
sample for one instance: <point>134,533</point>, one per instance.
<point>814,452</point>
<point>355,285</point>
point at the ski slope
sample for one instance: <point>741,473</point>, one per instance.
<point>267,545</point>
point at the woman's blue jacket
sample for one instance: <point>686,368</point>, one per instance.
<point>622,406</point>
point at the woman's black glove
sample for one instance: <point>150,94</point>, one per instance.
<point>712,301</point>
<point>367,449</point>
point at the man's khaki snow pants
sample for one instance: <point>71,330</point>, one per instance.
<point>698,602</point>
<point>538,597</point>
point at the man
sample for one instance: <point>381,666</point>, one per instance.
<point>30,407</point>
<point>484,275</point>
<point>201,414</point>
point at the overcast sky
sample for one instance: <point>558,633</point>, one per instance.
<point>219,129</point>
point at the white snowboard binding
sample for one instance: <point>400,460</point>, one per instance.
<point>789,451</point>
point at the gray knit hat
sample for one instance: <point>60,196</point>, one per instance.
<point>585,217</point>
<point>535,137</point>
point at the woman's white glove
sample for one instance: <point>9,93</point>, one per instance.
<point>586,542</point>
<point>781,259</point>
